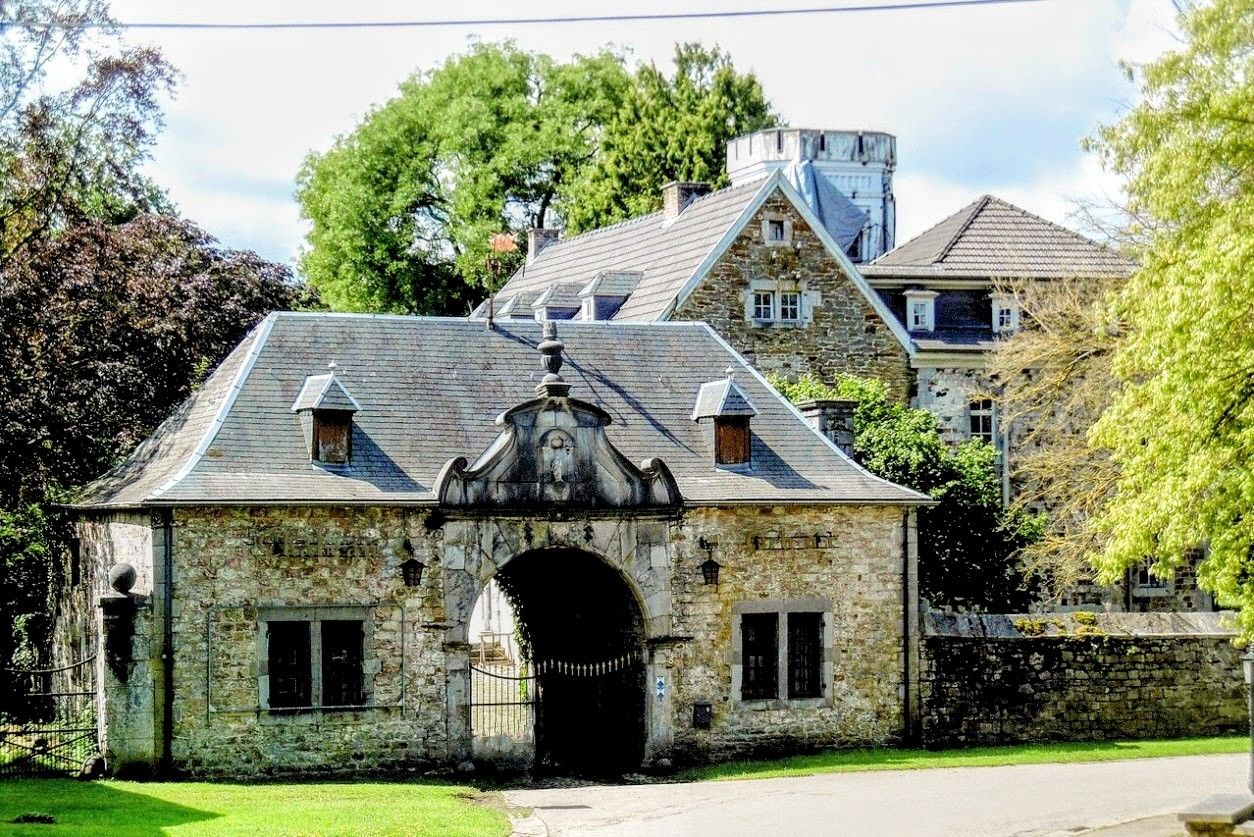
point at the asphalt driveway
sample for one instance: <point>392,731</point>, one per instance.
<point>1026,801</point>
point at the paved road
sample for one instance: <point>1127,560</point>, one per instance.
<point>1026,801</point>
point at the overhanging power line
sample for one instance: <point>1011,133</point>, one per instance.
<point>564,19</point>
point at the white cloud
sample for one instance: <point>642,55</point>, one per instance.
<point>982,100</point>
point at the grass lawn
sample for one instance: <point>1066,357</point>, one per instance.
<point>840,761</point>
<point>174,808</point>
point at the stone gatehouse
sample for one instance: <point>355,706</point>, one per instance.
<point>295,556</point>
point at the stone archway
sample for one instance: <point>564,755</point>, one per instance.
<point>583,632</point>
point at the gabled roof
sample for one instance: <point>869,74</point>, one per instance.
<point>435,387</point>
<point>673,256</point>
<point>990,238</point>
<point>324,392</point>
<point>722,398</point>
<point>665,254</point>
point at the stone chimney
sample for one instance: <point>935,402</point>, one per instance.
<point>676,197</point>
<point>538,239</point>
<point>833,418</point>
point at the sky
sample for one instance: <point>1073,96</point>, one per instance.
<point>992,99</point>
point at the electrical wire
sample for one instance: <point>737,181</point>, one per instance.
<point>527,21</point>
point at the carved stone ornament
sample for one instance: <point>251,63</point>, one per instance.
<point>553,451</point>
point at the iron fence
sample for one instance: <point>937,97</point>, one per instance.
<point>52,730</point>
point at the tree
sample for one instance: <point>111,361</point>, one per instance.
<point>1055,379</point>
<point>110,312</point>
<point>401,209</point>
<point>968,543</point>
<point>107,328</point>
<point>72,154</point>
<point>668,129</point>
<point>1181,427</point>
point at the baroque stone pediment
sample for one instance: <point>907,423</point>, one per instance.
<point>553,452</point>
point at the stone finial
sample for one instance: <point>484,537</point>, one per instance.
<point>122,578</point>
<point>552,385</point>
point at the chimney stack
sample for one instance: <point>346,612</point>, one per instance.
<point>538,239</point>
<point>833,418</point>
<point>676,197</point>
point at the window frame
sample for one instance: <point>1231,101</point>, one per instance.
<point>768,690</point>
<point>926,299</point>
<point>756,309</point>
<point>315,618</point>
<point>818,609</point>
<point>982,409</point>
<point>782,306</point>
<point>1005,305</point>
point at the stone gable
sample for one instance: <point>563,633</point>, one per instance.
<point>840,332</point>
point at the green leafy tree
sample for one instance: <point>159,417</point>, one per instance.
<point>669,128</point>
<point>1181,428</point>
<point>401,209</point>
<point>968,543</point>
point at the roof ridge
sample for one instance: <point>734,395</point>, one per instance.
<point>976,208</point>
<point>1059,227</point>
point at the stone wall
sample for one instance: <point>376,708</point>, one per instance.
<point>1013,679</point>
<point>234,568</point>
<point>844,335</point>
<point>770,556</point>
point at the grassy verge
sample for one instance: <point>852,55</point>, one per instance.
<point>840,761</point>
<point>183,808</point>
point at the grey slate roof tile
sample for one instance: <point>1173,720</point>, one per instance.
<point>991,238</point>
<point>430,389</point>
<point>666,255</point>
<point>722,398</point>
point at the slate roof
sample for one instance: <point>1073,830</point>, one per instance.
<point>722,398</point>
<point>429,390</point>
<point>666,255</point>
<point>991,238</point>
<point>324,392</point>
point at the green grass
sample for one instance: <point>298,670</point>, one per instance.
<point>841,761</point>
<point>182,808</point>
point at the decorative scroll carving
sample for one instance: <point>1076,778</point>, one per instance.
<point>553,452</point>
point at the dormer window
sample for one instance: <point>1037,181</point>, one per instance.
<point>920,310</point>
<point>1005,314</point>
<point>727,410</point>
<point>326,411</point>
<point>332,437</point>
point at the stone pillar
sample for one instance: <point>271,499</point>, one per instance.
<point>126,697</point>
<point>457,701</point>
<point>833,417</point>
<point>914,623</point>
<point>659,713</point>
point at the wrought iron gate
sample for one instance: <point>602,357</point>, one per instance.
<point>503,699</point>
<point>51,730</point>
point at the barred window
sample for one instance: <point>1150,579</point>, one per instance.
<point>805,655</point>
<point>342,663</point>
<point>759,644</point>
<point>775,230</point>
<point>789,305</point>
<point>982,420</point>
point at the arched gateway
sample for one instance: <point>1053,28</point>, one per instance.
<point>582,590</point>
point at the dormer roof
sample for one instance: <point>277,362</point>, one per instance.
<point>719,399</point>
<point>325,392</point>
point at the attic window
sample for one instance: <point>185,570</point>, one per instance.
<point>332,437</point>
<point>920,310</point>
<point>728,410</point>
<point>1005,314</point>
<point>775,229</point>
<point>326,409</point>
<point>731,440</point>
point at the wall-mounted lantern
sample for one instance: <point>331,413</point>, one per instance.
<point>411,572</point>
<point>709,567</point>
